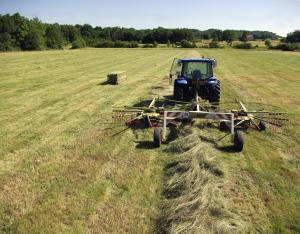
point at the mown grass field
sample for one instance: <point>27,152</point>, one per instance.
<point>63,169</point>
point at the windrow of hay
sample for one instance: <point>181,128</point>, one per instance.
<point>194,198</point>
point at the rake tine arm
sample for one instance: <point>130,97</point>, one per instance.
<point>253,122</point>
<point>239,123</point>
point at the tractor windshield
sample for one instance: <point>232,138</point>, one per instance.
<point>197,70</point>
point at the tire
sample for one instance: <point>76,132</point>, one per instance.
<point>215,93</point>
<point>262,126</point>
<point>224,126</point>
<point>238,141</point>
<point>157,137</point>
<point>178,92</point>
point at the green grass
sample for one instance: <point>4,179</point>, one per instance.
<point>64,169</point>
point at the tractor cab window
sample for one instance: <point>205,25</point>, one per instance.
<point>176,67</point>
<point>197,70</point>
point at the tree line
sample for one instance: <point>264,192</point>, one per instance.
<point>20,33</point>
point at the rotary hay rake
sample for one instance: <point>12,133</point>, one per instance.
<point>161,113</point>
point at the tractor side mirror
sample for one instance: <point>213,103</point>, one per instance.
<point>214,63</point>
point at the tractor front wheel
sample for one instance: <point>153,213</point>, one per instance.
<point>178,92</point>
<point>214,93</point>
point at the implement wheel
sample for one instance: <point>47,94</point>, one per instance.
<point>238,141</point>
<point>157,137</point>
<point>262,126</point>
<point>224,126</point>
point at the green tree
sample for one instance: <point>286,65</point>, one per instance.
<point>70,33</point>
<point>34,40</point>
<point>88,34</point>
<point>187,44</point>
<point>78,43</point>
<point>178,35</point>
<point>5,42</point>
<point>229,36</point>
<point>20,30</point>
<point>244,37</point>
<point>168,43</point>
<point>293,37</point>
<point>217,35</point>
<point>268,43</point>
<point>54,37</point>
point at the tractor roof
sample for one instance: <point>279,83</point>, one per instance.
<point>201,60</point>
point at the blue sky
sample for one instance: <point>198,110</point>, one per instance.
<point>279,16</point>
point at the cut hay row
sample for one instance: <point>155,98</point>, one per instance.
<point>195,201</point>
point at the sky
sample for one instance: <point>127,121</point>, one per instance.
<point>279,16</point>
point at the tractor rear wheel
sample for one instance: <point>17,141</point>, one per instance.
<point>238,141</point>
<point>214,93</point>
<point>157,137</point>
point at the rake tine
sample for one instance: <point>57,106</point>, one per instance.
<point>253,122</point>
<point>223,137</point>
<point>274,118</point>
<point>120,132</point>
<point>276,124</point>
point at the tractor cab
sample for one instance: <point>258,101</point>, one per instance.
<point>195,75</point>
<point>193,68</point>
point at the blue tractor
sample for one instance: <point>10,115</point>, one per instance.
<point>195,77</point>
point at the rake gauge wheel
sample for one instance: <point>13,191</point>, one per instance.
<point>238,141</point>
<point>157,137</point>
<point>224,126</point>
<point>262,126</point>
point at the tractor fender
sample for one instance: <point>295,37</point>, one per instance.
<point>213,81</point>
<point>181,81</point>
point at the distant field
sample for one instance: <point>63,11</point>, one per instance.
<point>64,169</point>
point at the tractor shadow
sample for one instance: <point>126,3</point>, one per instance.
<point>104,83</point>
<point>163,102</point>
<point>226,149</point>
<point>213,141</point>
<point>146,102</point>
<point>168,100</point>
<point>144,145</point>
<point>142,103</point>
